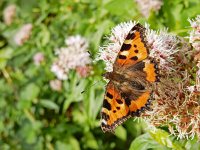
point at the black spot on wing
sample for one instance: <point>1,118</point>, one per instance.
<point>109,95</point>
<point>119,101</point>
<point>118,108</point>
<point>128,101</point>
<point>122,57</point>
<point>136,51</point>
<point>131,35</point>
<point>126,98</point>
<point>106,104</point>
<point>105,116</point>
<point>134,58</point>
<point>125,47</point>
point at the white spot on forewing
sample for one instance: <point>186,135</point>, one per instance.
<point>128,41</point>
<point>104,121</point>
<point>125,53</point>
<point>132,31</point>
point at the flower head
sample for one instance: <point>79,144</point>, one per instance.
<point>146,6</point>
<point>73,55</point>
<point>38,58</point>
<point>9,14</point>
<point>162,47</point>
<point>83,71</point>
<point>23,34</point>
<point>195,33</point>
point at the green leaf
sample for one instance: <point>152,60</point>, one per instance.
<point>100,31</point>
<point>74,143</point>
<point>61,146</point>
<point>5,54</point>
<point>30,92</point>
<point>44,36</point>
<point>192,144</point>
<point>162,137</point>
<point>70,143</point>
<point>49,104</point>
<point>121,133</point>
<point>90,141</point>
<point>144,142</point>
<point>123,8</point>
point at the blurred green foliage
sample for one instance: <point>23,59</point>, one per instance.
<point>34,117</point>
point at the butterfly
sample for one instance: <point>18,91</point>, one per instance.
<point>129,90</point>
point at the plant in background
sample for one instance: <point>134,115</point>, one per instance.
<point>9,14</point>
<point>56,85</point>
<point>41,112</point>
<point>174,106</point>
<point>23,34</point>
<point>38,58</point>
<point>146,6</point>
<point>74,56</point>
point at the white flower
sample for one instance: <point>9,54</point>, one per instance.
<point>9,14</point>
<point>191,88</point>
<point>73,55</point>
<point>23,34</point>
<point>146,6</point>
<point>195,33</point>
<point>162,46</point>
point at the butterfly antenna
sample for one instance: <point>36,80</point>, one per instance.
<point>89,87</point>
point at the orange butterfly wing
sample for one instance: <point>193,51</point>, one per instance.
<point>114,109</point>
<point>133,49</point>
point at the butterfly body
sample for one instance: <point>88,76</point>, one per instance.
<point>129,90</point>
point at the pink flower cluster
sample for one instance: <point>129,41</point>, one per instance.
<point>23,34</point>
<point>73,56</point>
<point>9,14</point>
<point>146,6</point>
